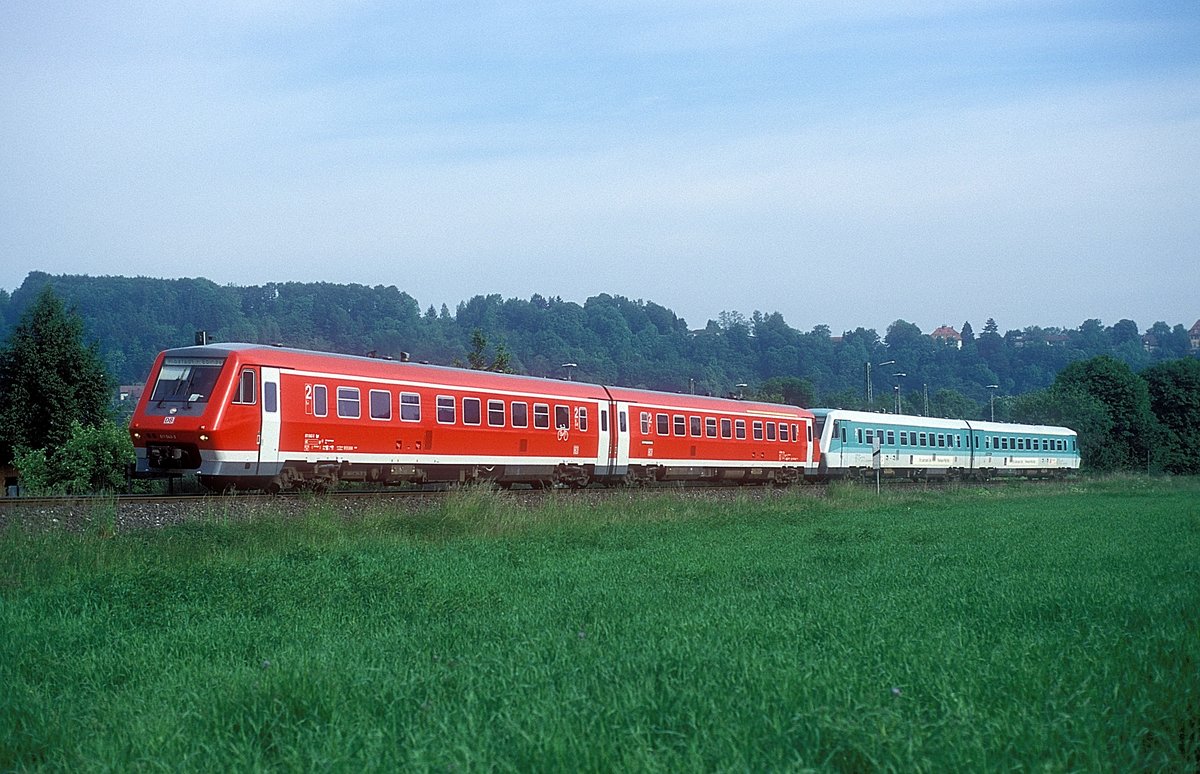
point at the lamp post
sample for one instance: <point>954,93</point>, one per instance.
<point>569,367</point>
<point>898,377</point>
<point>870,388</point>
<point>741,390</point>
<point>925,392</point>
<point>992,399</point>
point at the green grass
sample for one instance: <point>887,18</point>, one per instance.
<point>1051,628</point>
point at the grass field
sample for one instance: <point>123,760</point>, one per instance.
<point>1051,628</point>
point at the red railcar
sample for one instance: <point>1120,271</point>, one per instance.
<point>250,416</point>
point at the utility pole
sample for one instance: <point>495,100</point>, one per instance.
<point>992,399</point>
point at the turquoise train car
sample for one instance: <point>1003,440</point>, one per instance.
<point>927,447</point>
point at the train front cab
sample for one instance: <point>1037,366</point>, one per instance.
<point>212,413</point>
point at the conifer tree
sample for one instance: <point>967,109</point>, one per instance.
<point>48,379</point>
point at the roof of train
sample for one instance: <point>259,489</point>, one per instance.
<point>363,365</point>
<point>908,420</point>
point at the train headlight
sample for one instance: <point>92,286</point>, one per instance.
<point>136,434</point>
<point>204,436</point>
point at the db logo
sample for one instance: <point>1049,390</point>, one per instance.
<point>168,420</point>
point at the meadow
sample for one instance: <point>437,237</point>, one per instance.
<point>1051,627</point>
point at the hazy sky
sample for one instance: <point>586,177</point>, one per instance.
<point>843,163</point>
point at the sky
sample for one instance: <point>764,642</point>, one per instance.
<point>842,163</point>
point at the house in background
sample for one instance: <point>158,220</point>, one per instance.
<point>947,333</point>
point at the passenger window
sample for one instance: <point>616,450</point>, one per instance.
<point>320,400</point>
<point>870,436</point>
<point>562,417</point>
<point>680,424</point>
<point>795,433</point>
<point>784,435</point>
<point>410,407</point>
<point>758,431</point>
<point>903,438</point>
<point>380,404</point>
<point>664,424</point>
<point>472,411</point>
<point>645,423</point>
<point>348,399</point>
<point>581,419</point>
<point>445,410</point>
<point>541,416</point>
<point>270,397</point>
<point>770,431</point>
<point>694,422</point>
<point>891,437</point>
<point>710,427</point>
<point>622,420</point>
<point>726,428</point>
<point>739,429</point>
<point>495,413</point>
<point>520,415</point>
<point>246,390</point>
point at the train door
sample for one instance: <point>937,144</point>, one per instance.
<point>606,449</point>
<point>268,434</point>
<point>619,460</point>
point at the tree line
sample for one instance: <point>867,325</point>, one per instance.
<point>1138,408</point>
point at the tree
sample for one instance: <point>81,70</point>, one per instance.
<point>1126,400</point>
<point>48,379</point>
<point>1174,388</point>
<point>791,390</point>
<point>1069,406</point>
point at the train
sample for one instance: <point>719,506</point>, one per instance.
<point>271,418</point>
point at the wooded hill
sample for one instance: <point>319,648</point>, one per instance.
<point>612,339</point>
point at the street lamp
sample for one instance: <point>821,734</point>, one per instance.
<point>741,387</point>
<point>870,389</point>
<point>992,399</point>
<point>898,377</point>
<point>569,367</point>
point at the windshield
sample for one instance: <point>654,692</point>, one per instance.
<point>187,379</point>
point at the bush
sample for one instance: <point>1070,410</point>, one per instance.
<point>93,460</point>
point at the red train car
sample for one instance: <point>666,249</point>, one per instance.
<point>250,416</point>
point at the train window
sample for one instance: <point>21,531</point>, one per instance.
<point>941,440</point>
<point>891,437</point>
<point>1004,444</point>
<point>710,427</point>
<point>843,433</point>
<point>472,411</point>
<point>726,428</point>
<point>758,430</point>
<point>520,414</point>
<point>246,392</point>
<point>541,416</point>
<point>858,434</point>
<point>622,420</point>
<point>784,434</point>
<point>664,424</point>
<point>495,413</point>
<point>603,420</point>
<point>320,400</point>
<point>562,417</point>
<point>694,426</point>
<point>810,433</point>
<point>680,423</point>
<point>270,397</point>
<point>770,431</point>
<point>739,429</point>
<point>904,438</point>
<point>795,433</point>
<point>445,410</point>
<point>870,436</point>
<point>410,407</point>
<point>348,402</point>
<point>186,379</point>
<point>581,419</point>
<point>924,440</point>
<point>958,441</point>
<point>379,404</point>
<point>645,423</point>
